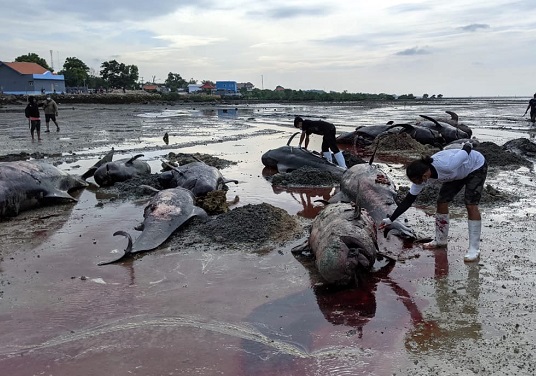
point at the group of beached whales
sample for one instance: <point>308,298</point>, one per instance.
<point>428,131</point>
<point>28,184</point>
<point>343,236</point>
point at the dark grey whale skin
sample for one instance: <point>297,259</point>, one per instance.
<point>167,211</point>
<point>28,184</point>
<point>121,170</point>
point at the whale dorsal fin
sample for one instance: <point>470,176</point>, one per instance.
<point>131,160</point>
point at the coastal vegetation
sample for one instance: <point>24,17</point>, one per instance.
<point>117,75</point>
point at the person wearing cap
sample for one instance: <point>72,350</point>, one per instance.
<point>325,129</point>
<point>34,117</point>
<point>51,111</point>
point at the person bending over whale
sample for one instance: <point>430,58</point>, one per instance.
<point>454,168</point>
<point>325,129</point>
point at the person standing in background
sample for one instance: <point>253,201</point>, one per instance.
<point>51,111</point>
<point>532,107</point>
<point>32,114</point>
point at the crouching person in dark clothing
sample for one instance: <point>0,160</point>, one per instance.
<point>325,129</point>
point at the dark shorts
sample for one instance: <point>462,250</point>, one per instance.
<point>533,116</point>
<point>35,125</point>
<point>49,117</point>
<point>474,183</point>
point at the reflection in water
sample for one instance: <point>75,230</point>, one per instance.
<point>290,319</point>
<point>231,113</point>
<point>306,197</point>
<point>451,303</point>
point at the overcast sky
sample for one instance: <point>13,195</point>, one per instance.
<point>454,47</point>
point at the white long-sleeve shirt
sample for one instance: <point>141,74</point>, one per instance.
<point>451,164</point>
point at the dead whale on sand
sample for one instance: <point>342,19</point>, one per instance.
<point>372,189</point>
<point>28,184</point>
<point>448,131</point>
<point>168,210</point>
<point>198,177</point>
<point>289,158</point>
<point>343,242</point>
<point>121,170</point>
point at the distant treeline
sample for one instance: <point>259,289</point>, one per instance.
<point>256,95</point>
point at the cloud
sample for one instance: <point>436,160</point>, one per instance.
<point>413,52</point>
<point>291,12</point>
<point>407,8</point>
<point>474,27</point>
<point>122,10</point>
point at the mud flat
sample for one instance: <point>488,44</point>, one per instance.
<point>232,299</point>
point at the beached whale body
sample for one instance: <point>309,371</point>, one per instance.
<point>343,241</point>
<point>29,184</point>
<point>198,177</point>
<point>290,158</point>
<point>117,171</point>
<point>168,210</point>
<point>372,189</point>
<point>366,135</point>
<point>449,132</point>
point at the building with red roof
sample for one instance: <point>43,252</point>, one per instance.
<point>29,78</point>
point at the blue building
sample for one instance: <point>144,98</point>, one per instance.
<point>29,78</point>
<point>226,88</point>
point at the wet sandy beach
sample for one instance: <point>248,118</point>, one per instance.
<point>202,308</point>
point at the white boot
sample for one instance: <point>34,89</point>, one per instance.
<point>475,228</point>
<point>441,232</point>
<point>327,156</point>
<point>340,159</point>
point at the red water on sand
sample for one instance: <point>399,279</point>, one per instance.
<point>224,312</point>
<point>185,313</point>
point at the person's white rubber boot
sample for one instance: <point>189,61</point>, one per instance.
<point>340,159</point>
<point>327,156</point>
<point>442,232</point>
<point>475,229</point>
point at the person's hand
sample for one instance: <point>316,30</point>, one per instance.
<point>385,222</point>
<point>474,142</point>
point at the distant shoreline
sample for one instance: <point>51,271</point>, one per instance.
<point>137,97</point>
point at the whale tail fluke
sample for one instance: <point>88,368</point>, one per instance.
<point>127,251</point>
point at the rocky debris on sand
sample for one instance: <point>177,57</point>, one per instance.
<point>395,144</point>
<point>305,176</point>
<point>252,224</point>
<point>180,159</point>
<point>497,156</point>
<point>521,146</point>
<point>215,202</point>
<point>26,156</point>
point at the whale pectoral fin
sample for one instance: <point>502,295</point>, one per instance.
<point>201,213</point>
<point>127,251</point>
<point>57,194</point>
<point>89,173</point>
